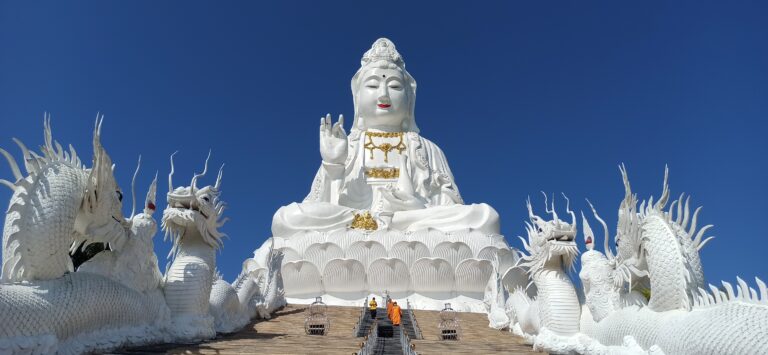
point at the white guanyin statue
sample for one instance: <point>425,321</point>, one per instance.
<point>384,166</point>
<point>384,212</point>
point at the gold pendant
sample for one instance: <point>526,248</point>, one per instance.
<point>364,221</point>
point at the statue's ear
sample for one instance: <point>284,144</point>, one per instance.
<point>354,84</point>
<point>411,82</point>
<point>411,122</point>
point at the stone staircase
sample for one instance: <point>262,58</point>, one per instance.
<point>476,337</point>
<point>284,334</point>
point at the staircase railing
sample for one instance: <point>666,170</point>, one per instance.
<point>412,318</point>
<point>360,320</point>
<point>405,342</point>
<point>368,347</point>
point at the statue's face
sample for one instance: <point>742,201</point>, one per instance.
<point>382,99</point>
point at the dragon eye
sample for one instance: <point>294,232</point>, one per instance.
<point>540,230</point>
<point>206,199</point>
<point>119,195</point>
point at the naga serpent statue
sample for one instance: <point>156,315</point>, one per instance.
<point>201,303</point>
<point>119,297</point>
<point>552,249</point>
<point>657,250</point>
<point>46,307</point>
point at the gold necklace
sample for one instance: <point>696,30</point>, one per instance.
<point>385,147</point>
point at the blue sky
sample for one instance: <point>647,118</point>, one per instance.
<point>521,97</point>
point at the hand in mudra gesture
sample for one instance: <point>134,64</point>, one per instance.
<point>333,140</point>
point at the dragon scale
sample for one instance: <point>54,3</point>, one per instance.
<point>40,251</point>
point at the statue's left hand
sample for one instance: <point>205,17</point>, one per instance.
<point>402,196</point>
<point>333,140</point>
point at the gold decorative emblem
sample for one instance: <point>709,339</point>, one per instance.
<point>383,173</point>
<point>364,221</point>
<point>386,147</point>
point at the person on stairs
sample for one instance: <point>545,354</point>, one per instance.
<point>372,307</point>
<point>389,308</point>
<point>396,314</point>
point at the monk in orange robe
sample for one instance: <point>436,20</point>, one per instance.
<point>389,308</point>
<point>396,314</point>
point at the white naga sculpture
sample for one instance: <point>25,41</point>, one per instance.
<point>657,253</point>
<point>119,297</point>
<point>384,212</point>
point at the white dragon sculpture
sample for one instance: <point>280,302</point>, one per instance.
<point>202,303</point>
<point>657,251</point>
<point>551,249</point>
<point>119,297</point>
<point>58,206</point>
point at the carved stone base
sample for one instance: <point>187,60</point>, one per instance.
<point>427,267</point>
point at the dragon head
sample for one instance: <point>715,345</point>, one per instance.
<point>191,206</point>
<point>100,218</point>
<point>549,239</point>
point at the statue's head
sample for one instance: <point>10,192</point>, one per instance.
<point>384,93</point>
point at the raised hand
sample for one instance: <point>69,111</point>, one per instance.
<point>333,140</point>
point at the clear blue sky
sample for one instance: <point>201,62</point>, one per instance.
<point>521,97</point>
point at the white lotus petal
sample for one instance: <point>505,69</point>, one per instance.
<point>345,237</point>
<point>320,253</point>
<point>453,252</point>
<point>432,275</point>
<point>342,277</point>
<point>366,252</point>
<point>409,252</point>
<point>472,276</point>
<point>389,274</point>
<point>301,278</point>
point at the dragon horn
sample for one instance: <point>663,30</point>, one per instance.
<point>546,208</point>
<point>627,188</point>
<point>170,175</point>
<point>606,244</point>
<point>133,188</point>
<point>151,196</point>
<point>588,234</point>
<point>218,178</point>
<point>531,216</point>
<point>568,209</point>
<point>193,185</point>
<point>665,191</point>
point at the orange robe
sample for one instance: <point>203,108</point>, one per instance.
<point>396,314</point>
<point>389,310</point>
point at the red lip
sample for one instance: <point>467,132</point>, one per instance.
<point>384,105</point>
<point>589,240</point>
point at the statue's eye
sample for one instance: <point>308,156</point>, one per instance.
<point>540,230</point>
<point>206,199</point>
<point>119,196</point>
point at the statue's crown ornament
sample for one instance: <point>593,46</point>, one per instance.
<point>382,49</point>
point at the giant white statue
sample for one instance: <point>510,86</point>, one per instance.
<point>384,212</point>
<point>384,166</point>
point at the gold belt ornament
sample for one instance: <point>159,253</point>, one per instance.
<point>383,173</point>
<point>364,221</point>
<point>385,147</point>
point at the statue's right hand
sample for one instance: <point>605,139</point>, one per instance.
<point>333,140</point>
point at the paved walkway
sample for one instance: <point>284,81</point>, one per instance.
<point>284,334</point>
<point>476,337</point>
